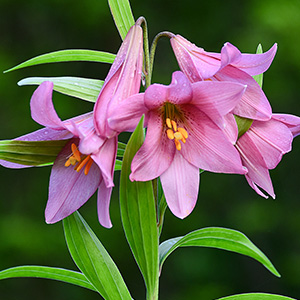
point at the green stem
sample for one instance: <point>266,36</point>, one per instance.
<point>153,48</point>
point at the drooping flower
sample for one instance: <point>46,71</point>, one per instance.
<point>85,164</point>
<point>229,65</point>
<point>122,81</point>
<point>182,135</point>
<point>262,146</point>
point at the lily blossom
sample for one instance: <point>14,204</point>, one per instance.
<point>262,146</point>
<point>84,165</point>
<point>229,65</point>
<point>182,135</point>
<point>122,81</point>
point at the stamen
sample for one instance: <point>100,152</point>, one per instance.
<point>170,134</point>
<point>174,125</point>
<point>82,163</point>
<point>68,163</point>
<point>168,122</point>
<point>76,152</point>
<point>183,132</point>
<point>177,144</point>
<point>88,166</point>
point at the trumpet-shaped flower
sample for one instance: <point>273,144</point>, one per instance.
<point>122,81</point>
<point>85,164</point>
<point>182,135</point>
<point>262,146</point>
<point>229,65</point>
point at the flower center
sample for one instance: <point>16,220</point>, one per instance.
<point>173,131</point>
<point>79,160</point>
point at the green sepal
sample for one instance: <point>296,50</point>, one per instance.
<point>67,276</point>
<point>259,78</point>
<point>138,213</point>
<point>93,260</point>
<point>31,153</point>
<point>122,15</point>
<point>66,56</point>
<point>256,296</point>
<point>243,124</point>
<point>82,88</point>
<point>220,238</point>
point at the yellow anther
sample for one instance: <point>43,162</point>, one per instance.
<point>178,135</point>
<point>76,152</point>
<point>170,134</point>
<point>168,122</point>
<point>177,144</point>
<point>82,163</point>
<point>183,140</point>
<point>72,160</point>
<point>174,125</point>
<point>183,132</point>
<point>88,166</point>
<point>68,163</point>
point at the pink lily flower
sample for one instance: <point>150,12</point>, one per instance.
<point>229,65</point>
<point>262,146</point>
<point>122,81</point>
<point>182,135</point>
<point>85,164</point>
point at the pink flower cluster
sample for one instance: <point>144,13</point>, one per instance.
<point>213,116</point>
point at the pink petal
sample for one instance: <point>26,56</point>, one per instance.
<point>231,128</point>
<point>272,138</point>
<point>255,64</point>
<point>178,92</point>
<point>104,195</point>
<point>207,147</point>
<point>258,174</point>
<point>128,114</point>
<point>156,153</point>
<point>196,63</point>
<point>123,79</point>
<point>180,183</point>
<point>216,99</point>
<point>229,54</point>
<point>254,104</point>
<point>42,109</point>
<point>105,158</point>
<point>68,189</point>
<point>291,121</point>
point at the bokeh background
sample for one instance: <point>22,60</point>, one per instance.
<point>33,27</point>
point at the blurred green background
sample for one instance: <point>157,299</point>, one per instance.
<point>33,27</point>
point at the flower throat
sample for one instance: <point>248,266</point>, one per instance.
<point>173,131</point>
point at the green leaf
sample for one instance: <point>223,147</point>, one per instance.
<point>118,165</point>
<point>93,260</point>
<point>30,153</point>
<point>63,275</point>
<point>214,237</point>
<point>259,77</point>
<point>122,14</point>
<point>139,216</point>
<point>82,88</point>
<point>121,149</point>
<point>256,296</point>
<point>66,56</point>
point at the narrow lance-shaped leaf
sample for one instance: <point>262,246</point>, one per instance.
<point>220,238</point>
<point>59,274</point>
<point>259,77</point>
<point>82,88</point>
<point>93,260</point>
<point>139,216</point>
<point>30,153</point>
<point>122,14</point>
<point>66,56</point>
<point>256,296</point>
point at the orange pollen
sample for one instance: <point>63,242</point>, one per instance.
<point>79,160</point>
<point>176,133</point>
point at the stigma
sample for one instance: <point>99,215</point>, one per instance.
<point>79,160</point>
<point>176,133</point>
